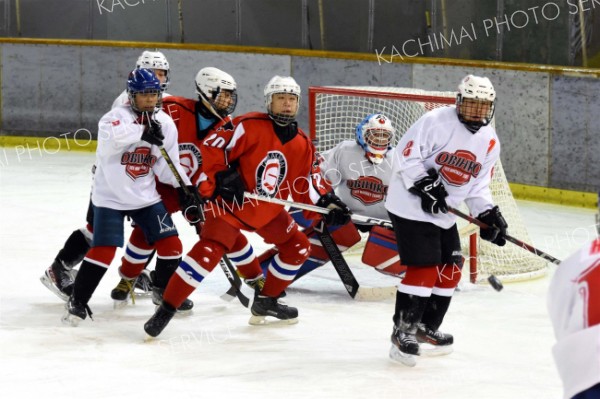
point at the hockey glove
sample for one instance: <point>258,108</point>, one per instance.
<point>339,213</point>
<point>191,204</point>
<point>497,231</point>
<point>230,186</point>
<point>432,193</point>
<point>153,134</point>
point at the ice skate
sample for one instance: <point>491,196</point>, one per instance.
<point>59,280</point>
<point>159,320</point>
<point>157,299</point>
<point>435,343</point>
<point>76,312</point>
<point>404,347</point>
<point>264,306</point>
<point>122,292</point>
<point>143,285</point>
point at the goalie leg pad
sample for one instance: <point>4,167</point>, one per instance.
<point>381,252</point>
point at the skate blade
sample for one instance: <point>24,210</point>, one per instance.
<point>50,285</point>
<point>71,320</point>
<point>403,358</point>
<point>270,321</point>
<point>433,350</point>
<point>119,304</point>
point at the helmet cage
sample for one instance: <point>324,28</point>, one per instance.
<point>470,112</point>
<point>375,134</point>
<point>211,83</point>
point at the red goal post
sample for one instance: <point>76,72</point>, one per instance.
<point>334,113</point>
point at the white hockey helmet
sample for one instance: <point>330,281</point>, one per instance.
<point>154,60</point>
<point>479,110</point>
<point>281,84</point>
<point>210,83</point>
<point>375,134</point>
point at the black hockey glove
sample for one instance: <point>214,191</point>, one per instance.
<point>191,204</point>
<point>497,231</point>
<point>230,186</point>
<point>153,134</point>
<point>432,193</point>
<point>339,213</point>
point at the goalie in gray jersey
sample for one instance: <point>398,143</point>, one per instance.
<point>359,171</point>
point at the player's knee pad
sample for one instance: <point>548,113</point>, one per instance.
<point>419,280</point>
<point>295,250</point>
<point>449,275</point>
<point>169,247</point>
<point>206,254</point>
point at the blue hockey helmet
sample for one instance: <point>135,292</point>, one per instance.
<point>143,80</point>
<point>375,134</point>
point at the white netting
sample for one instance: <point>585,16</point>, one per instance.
<point>335,112</point>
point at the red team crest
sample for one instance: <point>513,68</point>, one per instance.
<point>458,168</point>
<point>138,162</point>
<point>270,173</point>
<point>367,189</point>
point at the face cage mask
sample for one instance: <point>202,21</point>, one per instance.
<point>473,126</point>
<point>134,107</point>
<point>214,102</point>
<point>283,119</point>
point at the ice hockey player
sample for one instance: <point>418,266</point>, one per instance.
<point>575,313</point>
<point>128,158</point>
<point>59,276</point>
<point>266,153</point>
<point>195,119</point>
<point>445,158</point>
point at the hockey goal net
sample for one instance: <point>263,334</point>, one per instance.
<point>334,113</point>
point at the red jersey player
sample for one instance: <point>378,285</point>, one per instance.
<point>266,153</point>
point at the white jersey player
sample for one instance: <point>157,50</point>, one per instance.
<point>59,276</point>
<point>574,307</point>
<point>128,158</point>
<point>445,158</point>
<point>156,61</point>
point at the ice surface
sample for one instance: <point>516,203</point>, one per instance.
<point>339,349</point>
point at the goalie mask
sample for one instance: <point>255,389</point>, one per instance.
<point>155,60</point>
<point>282,85</point>
<point>375,134</point>
<point>475,102</point>
<point>218,90</point>
<point>143,81</point>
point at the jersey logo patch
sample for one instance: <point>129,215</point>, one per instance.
<point>270,173</point>
<point>190,158</point>
<point>138,163</point>
<point>367,189</point>
<point>458,168</point>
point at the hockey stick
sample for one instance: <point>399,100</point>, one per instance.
<point>337,259</point>
<point>225,263</point>
<point>514,240</point>
<point>334,253</point>
<point>318,209</point>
